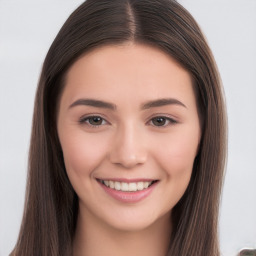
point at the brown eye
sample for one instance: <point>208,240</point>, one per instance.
<point>159,121</point>
<point>93,121</point>
<point>162,121</point>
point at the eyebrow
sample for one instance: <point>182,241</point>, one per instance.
<point>94,103</point>
<point>111,106</point>
<point>162,102</point>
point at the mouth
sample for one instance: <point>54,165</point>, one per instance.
<point>127,186</point>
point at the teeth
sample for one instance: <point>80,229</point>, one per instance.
<point>146,184</point>
<point>106,182</point>
<point>127,187</point>
<point>140,185</point>
<point>111,184</point>
<point>132,187</point>
<point>117,185</point>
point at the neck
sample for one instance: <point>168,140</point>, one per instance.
<point>93,238</point>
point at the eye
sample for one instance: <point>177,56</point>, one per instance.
<point>93,121</point>
<point>162,121</point>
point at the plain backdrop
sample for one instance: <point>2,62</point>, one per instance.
<point>27,29</point>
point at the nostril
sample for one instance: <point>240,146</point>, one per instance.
<point>126,160</point>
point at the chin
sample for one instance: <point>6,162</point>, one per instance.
<point>134,221</point>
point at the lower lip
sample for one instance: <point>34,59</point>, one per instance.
<point>129,197</point>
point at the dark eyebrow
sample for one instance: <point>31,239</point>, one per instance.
<point>162,102</point>
<point>147,105</point>
<point>93,103</point>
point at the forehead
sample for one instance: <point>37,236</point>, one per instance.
<point>124,70</point>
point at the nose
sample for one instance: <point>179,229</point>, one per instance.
<point>128,147</point>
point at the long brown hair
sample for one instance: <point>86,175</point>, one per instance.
<point>51,204</point>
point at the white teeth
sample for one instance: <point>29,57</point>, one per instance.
<point>146,184</point>
<point>127,187</point>
<point>111,184</point>
<point>132,186</point>
<point>140,185</point>
<point>117,185</point>
<point>106,182</point>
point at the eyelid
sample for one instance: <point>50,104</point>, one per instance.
<point>83,119</point>
<point>172,120</point>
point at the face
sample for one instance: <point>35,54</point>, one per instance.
<point>129,130</point>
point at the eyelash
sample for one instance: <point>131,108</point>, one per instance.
<point>168,120</point>
<point>86,120</point>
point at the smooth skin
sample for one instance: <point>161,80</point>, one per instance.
<point>149,129</point>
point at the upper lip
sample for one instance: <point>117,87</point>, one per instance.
<point>128,180</point>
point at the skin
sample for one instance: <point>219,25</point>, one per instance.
<point>127,143</point>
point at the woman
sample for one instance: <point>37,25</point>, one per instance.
<point>129,136</point>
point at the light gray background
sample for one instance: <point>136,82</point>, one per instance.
<point>27,29</point>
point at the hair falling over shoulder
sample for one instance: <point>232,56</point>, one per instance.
<point>51,205</point>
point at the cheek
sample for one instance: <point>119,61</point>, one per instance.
<point>177,153</point>
<point>82,154</point>
<point>176,158</point>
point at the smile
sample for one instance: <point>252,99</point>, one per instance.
<point>128,192</point>
<point>127,186</point>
